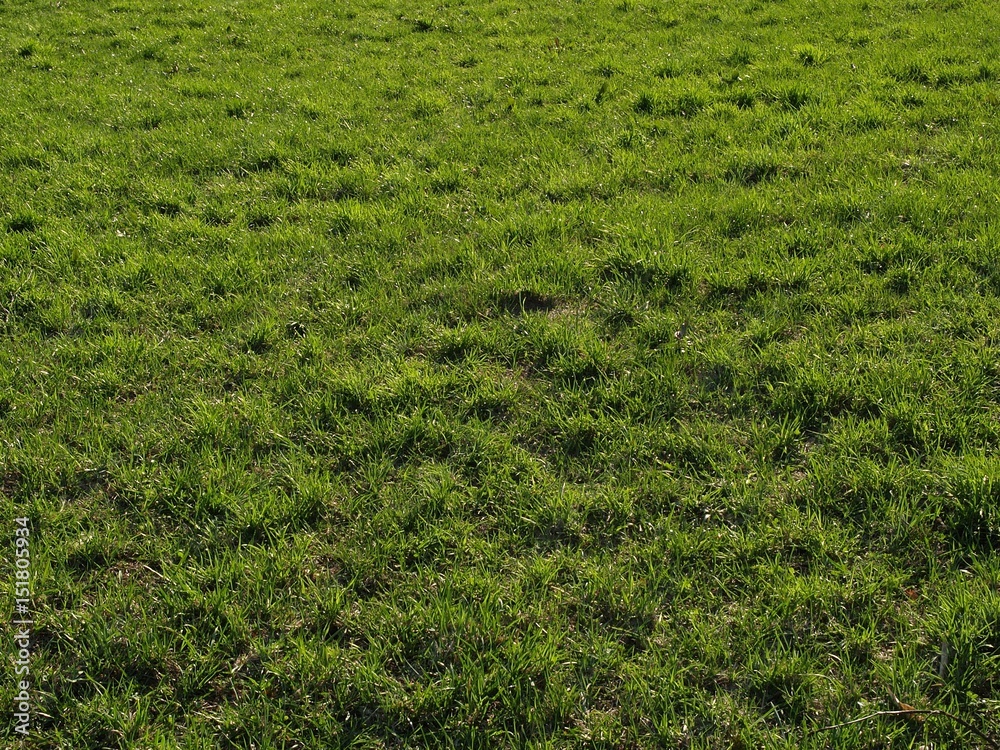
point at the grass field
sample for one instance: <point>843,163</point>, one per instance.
<point>481,373</point>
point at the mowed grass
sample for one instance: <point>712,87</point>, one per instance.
<point>494,374</point>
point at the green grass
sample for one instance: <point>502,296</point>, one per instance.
<point>496,374</point>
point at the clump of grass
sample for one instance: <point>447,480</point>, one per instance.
<point>645,104</point>
<point>750,169</point>
<point>607,70</point>
<point>809,55</point>
<point>740,56</point>
<point>685,103</point>
<point>793,97</point>
<point>669,69</point>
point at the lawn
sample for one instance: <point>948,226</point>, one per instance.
<point>484,373</point>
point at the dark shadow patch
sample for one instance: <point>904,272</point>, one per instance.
<point>11,483</point>
<point>262,163</point>
<point>170,209</point>
<point>751,172</point>
<point>239,111</point>
<point>525,301</point>
<point>645,273</point>
<point>742,99</point>
<point>644,105</point>
<point>742,290</point>
<point>261,221</point>
<point>150,122</point>
<point>22,224</point>
<point>791,98</point>
<point>422,25</point>
<point>780,693</point>
<point>295,329</point>
<point>340,156</point>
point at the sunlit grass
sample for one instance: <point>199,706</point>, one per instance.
<point>492,375</point>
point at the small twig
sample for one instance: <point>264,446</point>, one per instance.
<point>912,712</point>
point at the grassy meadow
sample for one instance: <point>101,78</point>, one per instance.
<point>485,373</point>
